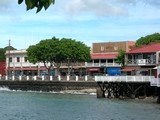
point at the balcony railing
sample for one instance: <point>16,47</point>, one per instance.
<point>141,62</point>
<point>27,64</point>
<point>101,64</point>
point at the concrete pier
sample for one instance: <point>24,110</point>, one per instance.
<point>100,93</point>
<point>47,86</point>
<point>125,90</point>
<point>158,95</point>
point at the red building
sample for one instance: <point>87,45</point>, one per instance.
<point>2,67</point>
<point>142,60</point>
<point>103,57</point>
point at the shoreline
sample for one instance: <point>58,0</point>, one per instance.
<point>82,91</point>
<point>89,91</point>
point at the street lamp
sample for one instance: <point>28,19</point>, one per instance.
<point>9,59</point>
<point>68,60</point>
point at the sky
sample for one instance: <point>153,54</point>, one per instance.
<point>89,21</point>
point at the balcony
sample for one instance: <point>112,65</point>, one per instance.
<point>27,64</point>
<point>102,64</point>
<point>141,62</point>
<point>22,64</point>
<point>77,64</point>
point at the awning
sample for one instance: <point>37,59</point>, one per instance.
<point>93,69</point>
<point>129,69</point>
<point>156,67</point>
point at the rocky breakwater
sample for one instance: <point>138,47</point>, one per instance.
<point>47,86</point>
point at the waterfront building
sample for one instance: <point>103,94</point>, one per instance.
<point>142,60</point>
<point>17,64</point>
<point>102,61</point>
<point>103,57</point>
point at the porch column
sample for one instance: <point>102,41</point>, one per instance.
<point>142,56</point>
<point>113,62</point>
<point>126,59</point>
<point>106,62</point>
<point>157,57</point>
<point>132,59</point>
<point>92,62</point>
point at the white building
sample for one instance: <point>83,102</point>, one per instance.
<point>17,64</point>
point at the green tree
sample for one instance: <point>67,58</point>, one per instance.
<point>9,48</point>
<point>52,52</point>
<point>121,57</point>
<point>3,51</point>
<point>148,39</point>
<point>2,54</point>
<point>39,4</point>
<point>46,51</point>
<point>74,51</point>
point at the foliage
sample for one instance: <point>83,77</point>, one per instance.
<point>148,39</point>
<point>39,4</point>
<point>74,50</point>
<point>3,51</point>
<point>2,54</point>
<point>44,51</point>
<point>54,51</point>
<point>121,57</point>
<point>9,48</point>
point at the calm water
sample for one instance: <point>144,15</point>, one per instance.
<point>51,106</point>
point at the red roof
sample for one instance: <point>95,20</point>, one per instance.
<point>103,55</point>
<point>154,47</point>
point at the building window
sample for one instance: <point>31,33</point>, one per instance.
<point>96,61</point>
<point>110,60</point>
<point>25,59</point>
<point>102,48</point>
<point>116,48</point>
<point>103,60</point>
<point>10,59</point>
<point>130,57</point>
<point>18,59</point>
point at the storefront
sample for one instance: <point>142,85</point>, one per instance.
<point>113,71</point>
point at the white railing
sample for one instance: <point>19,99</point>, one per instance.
<point>47,78</point>
<point>124,78</point>
<point>153,81</point>
<point>25,64</point>
<point>141,61</point>
<point>101,64</point>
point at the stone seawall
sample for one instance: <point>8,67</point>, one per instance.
<point>48,85</point>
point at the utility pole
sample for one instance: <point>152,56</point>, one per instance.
<point>9,57</point>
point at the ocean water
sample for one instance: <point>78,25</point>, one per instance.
<point>19,105</point>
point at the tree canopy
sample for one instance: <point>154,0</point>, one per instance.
<point>3,51</point>
<point>148,39</point>
<point>121,57</point>
<point>52,52</point>
<point>39,4</point>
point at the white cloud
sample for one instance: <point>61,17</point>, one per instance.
<point>155,3</point>
<point>8,6</point>
<point>96,7</point>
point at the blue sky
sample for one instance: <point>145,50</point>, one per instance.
<point>84,20</point>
